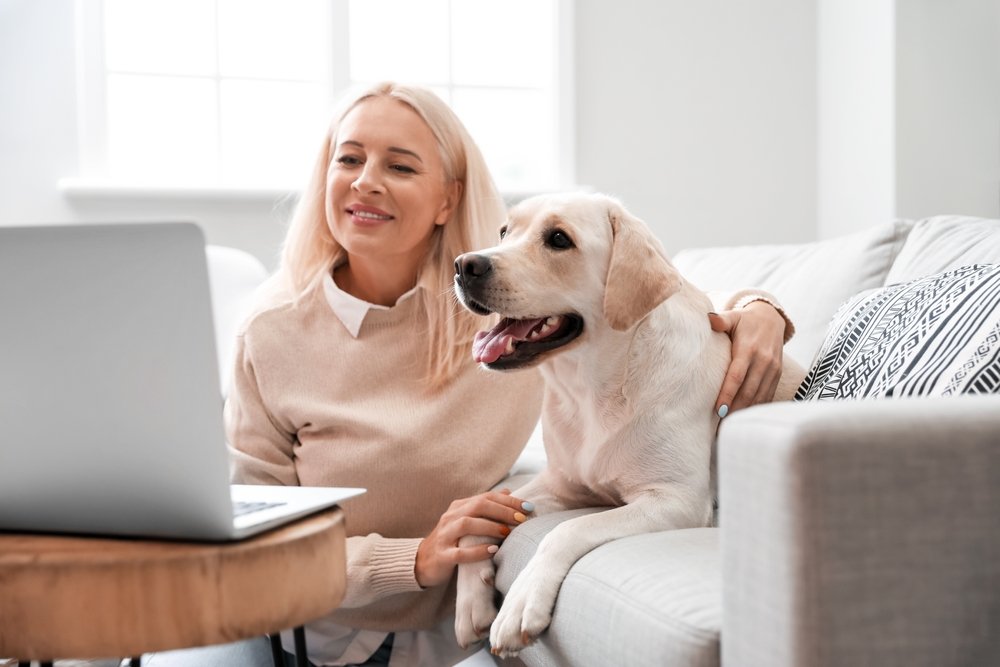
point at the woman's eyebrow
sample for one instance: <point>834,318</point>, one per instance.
<point>404,151</point>
<point>392,149</point>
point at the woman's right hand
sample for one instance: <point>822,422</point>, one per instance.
<point>492,514</point>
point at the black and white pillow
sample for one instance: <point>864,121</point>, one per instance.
<point>934,336</point>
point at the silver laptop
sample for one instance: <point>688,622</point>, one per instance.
<point>110,406</point>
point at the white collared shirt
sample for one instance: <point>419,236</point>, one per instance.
<point>349,309</point>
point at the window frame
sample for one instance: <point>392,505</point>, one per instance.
<point>93,181</point>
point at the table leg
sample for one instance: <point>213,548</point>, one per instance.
<point>277,653</point>
<point>301,656</point>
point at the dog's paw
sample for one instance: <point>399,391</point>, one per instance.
<point>474,608</point>
<point>526,613</point>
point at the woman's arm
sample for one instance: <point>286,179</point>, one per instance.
<point>260,451</point>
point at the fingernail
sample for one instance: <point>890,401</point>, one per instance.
<point>520,518</point>
<point>493,548</point>
<point>528,506</point>
<point>723,411</point>
<point>505,530</point>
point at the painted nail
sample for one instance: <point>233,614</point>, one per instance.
<point>723,411</point>
<point>493,548</point>
<point>505,530</point>
<point>520,518</point>
<point>528,506</point>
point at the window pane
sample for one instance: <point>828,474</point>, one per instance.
<point>515,130</point>
<point>510,43</point>
<point>176,37</point>
<point>274,39</point>
<point>271,131</point>
<point>400,40</point>
<point>162,129</point>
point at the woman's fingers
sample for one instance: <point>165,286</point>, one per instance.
<point>490,515</point>
<point>757,334</point>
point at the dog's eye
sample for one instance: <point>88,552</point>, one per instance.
<point>559,240</point>
<point>503,232</point>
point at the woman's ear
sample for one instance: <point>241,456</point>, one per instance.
<point>640,277</point>
<point>452,195</point>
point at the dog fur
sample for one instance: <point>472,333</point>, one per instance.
<point>632,371</point>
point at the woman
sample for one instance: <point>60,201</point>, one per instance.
<point>355,370</point>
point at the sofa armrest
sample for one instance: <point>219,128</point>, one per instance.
<point>861,533</point>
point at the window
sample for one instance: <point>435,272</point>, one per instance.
<point>235,94</point>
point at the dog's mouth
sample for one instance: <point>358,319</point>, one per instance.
<point>516,343</point>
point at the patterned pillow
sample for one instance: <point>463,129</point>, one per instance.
<point>934,336</point>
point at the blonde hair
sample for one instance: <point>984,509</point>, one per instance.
<point>309,250</point>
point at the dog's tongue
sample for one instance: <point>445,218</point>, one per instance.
<point>491,345</point>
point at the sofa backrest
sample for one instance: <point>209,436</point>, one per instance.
<point>233,277</point>
<point>810,280</point>
<point>946,242</point>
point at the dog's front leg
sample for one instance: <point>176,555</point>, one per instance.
<point>527,608</point>
<point>474,606</point>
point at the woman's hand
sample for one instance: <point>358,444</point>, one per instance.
<point>758,335</point>
<point>492,514</point>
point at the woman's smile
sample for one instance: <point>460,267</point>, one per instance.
<point>367,216</point>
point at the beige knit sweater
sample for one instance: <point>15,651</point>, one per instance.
<point>312,405</point>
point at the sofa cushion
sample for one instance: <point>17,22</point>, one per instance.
<point>809,279</point>
<point>937,335</point>
<point>658,595</point>
<point>946,242</point>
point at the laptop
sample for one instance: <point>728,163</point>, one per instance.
<point>110,405</point>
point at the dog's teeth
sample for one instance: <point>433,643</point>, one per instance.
<point>551,321</point>
<point>510,346</point>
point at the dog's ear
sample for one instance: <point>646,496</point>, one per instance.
<point>640,277</point>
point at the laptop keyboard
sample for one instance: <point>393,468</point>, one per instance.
<point>241,507</point>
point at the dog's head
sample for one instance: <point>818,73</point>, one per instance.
<point>565,263</point>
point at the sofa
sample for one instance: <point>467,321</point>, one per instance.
<point>850,532</point>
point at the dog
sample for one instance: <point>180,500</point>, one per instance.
<point>632,370</point>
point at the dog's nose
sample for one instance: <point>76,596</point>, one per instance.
<point>471,265</point>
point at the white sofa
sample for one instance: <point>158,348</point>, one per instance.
<point>851,532</point>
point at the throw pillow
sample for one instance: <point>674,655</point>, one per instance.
<point>933,336</point>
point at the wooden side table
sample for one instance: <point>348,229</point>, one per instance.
<point>81,597</point>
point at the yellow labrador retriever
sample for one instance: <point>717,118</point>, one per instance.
<point>632,370</point>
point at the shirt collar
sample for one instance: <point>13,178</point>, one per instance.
<point>349,309</point>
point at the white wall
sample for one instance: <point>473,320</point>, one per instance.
<point>909,110</point>
<point>701,115</point>
<point>856,115</point>
<point>948,107</point>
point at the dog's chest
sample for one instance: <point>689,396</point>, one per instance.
<point>582,442</point>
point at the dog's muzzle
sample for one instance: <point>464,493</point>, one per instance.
<point>472,272</point>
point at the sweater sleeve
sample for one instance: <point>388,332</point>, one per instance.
<point>260,451</point>
<point>378,567</point>
<point>744,297</point>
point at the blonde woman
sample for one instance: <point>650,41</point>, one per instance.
<point>355,370</point>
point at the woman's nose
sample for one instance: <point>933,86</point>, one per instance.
<point>367,180</point>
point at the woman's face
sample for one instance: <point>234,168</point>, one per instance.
<point>386,186</point>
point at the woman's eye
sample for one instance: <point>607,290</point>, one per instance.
<point>348,160</point>
<point>403,169</point>
<point>503,232</point>
<point>559,240</point>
